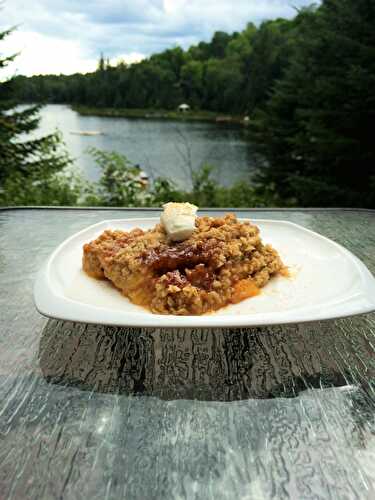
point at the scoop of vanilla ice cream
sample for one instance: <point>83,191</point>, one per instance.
<point>178,220</point>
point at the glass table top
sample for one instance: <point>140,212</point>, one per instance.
<point>96,412</point>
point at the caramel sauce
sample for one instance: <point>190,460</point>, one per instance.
<point>200,277</point>
<point>170,258</point>
<point>175,278</point>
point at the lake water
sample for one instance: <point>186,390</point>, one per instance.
<point>161,147</point>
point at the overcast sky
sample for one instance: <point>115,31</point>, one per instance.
<point>66,36</point>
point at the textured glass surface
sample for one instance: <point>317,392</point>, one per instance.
<point>91,412</point>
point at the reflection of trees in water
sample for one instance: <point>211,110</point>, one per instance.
<point>212,365</point>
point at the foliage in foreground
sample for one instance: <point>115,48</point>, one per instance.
<point>120,186</point>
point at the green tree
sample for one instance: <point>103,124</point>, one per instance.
<point>266,60</point>
<point>119,184</point>
<point>26,164</point>
<point>192,81</point>
<point>219,44</point>
<point>317,129</point>
<point>223,84</point>
<point>240,46</point>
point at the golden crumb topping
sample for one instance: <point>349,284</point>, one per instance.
<point>223,261</point>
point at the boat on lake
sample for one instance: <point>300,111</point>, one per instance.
<point>86,132</point>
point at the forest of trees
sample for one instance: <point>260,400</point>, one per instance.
<point>231,73</point>
<point>308,85</point>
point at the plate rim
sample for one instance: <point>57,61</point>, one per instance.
<point>51,304</point>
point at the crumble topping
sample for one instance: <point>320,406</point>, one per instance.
<point>223,261</point>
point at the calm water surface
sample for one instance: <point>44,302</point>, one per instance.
<point>160,147</point>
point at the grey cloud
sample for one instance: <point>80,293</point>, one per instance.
<point>109,11</point>
<point>118,27</point>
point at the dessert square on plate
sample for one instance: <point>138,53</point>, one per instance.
<point>222,261</point>
<point>327,281</point>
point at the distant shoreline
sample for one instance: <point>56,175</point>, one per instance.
<point>152,114</point>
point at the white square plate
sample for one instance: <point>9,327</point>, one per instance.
<point>327,281</point>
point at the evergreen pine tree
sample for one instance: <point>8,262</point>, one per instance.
<point>24,161</point>
<point>317,129</point>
